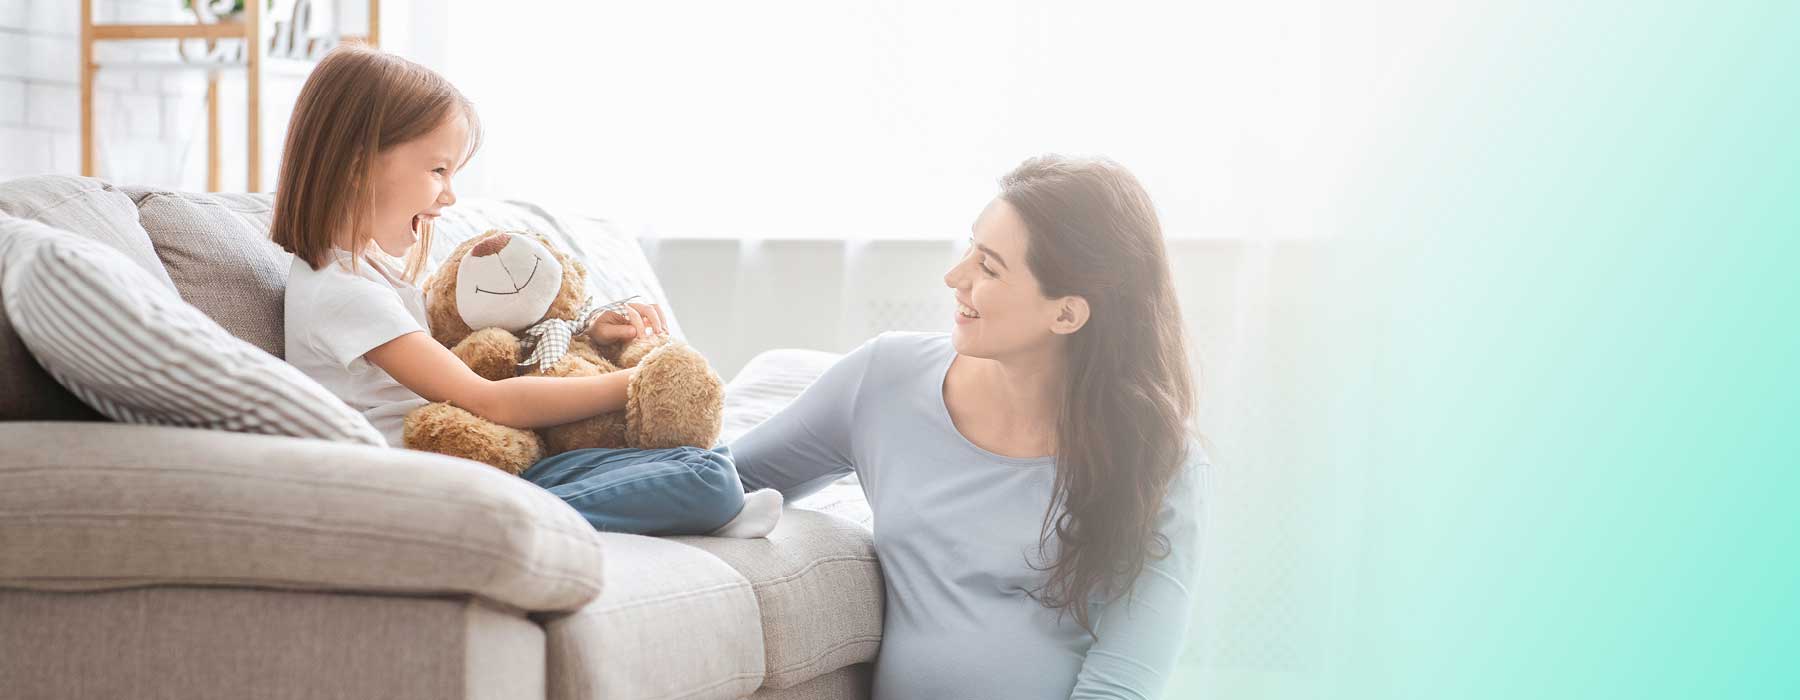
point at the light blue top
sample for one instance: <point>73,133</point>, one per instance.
<point>954,528</point>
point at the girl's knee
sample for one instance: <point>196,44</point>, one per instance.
<point>721,503</point>
<point>710,465</point>
<point>723,494</point>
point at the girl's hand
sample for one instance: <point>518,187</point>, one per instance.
<point>638,321</point>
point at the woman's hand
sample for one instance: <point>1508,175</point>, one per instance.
<point>637,321</point>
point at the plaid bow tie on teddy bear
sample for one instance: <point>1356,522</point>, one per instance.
<point>549,339</point>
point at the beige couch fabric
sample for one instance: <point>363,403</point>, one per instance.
<point>88,208</point>
<point>96,506</point>
<point>818,590</point>
<point>674,622</point>
<point>184,642</point>
<point>847,683</point>
<point>217,251</point>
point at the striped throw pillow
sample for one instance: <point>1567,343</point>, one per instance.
<point>126,345</point>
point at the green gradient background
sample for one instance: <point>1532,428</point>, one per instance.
<point>1565,334</point>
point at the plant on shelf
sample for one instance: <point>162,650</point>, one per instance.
<point>219,10</point>
<point>214,12</point>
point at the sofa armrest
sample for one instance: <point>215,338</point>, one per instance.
<point>89,506</point>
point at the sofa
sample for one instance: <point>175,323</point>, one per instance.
<point>152,561</point>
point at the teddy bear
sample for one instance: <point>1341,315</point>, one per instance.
<point>508,303</point>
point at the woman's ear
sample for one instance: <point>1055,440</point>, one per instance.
<point>1071,315</point>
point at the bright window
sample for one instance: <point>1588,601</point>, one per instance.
<point>877,118</point>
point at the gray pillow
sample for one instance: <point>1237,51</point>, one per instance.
<point>216,249</point>
<point>130,348</point>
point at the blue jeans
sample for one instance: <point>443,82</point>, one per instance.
<point>679,491</point>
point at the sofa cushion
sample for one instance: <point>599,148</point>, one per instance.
<point>616,264</point>
<point>27,392</point>
<point>86,207</point>
<point>672,622</point>
<point>847,683</point>
<point>217,251</point>
<point>133,350</point>
<point>818,589</point>
<point>106,506</point>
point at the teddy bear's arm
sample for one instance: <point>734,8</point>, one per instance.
<point>492,353</point>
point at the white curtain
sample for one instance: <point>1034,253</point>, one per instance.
<point>857,118</point>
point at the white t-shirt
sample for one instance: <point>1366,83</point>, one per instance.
<point>335,315</point>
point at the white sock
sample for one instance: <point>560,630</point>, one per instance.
<point>762,511</point>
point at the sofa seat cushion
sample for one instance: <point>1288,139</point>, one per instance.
<point>818,589</point>
<point>672,622</point>
<point>217,251</point>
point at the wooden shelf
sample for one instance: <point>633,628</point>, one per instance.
<point>248,30</point>
<point>221,30</point>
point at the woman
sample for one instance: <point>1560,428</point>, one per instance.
<point>1032,475</point>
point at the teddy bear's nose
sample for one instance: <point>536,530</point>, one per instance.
<point>491,246</point>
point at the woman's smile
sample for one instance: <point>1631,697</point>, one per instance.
<point>965,314</point>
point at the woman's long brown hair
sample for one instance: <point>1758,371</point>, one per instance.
<point>1123,433</point>
<point>356,103</point>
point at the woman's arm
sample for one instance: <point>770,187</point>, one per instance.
<point>1141,635</point>
<point>436,374</point>
<point>809,444</point>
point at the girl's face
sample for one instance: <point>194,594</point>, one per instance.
<point>412,184</point>
<point>1001,310</point>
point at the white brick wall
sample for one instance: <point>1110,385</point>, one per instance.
<point>58,17</point>
<point>150,126</point>
<point>21,146</point>
<point>53,106</point>
<point>13,15</point>
<point>134,143</point>
<point>12,102</point>
<point>14,61</point>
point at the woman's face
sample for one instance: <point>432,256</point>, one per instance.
<point>412,184</point>
<point>1000,308</point>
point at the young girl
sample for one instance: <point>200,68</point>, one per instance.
<point>371,150</point>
